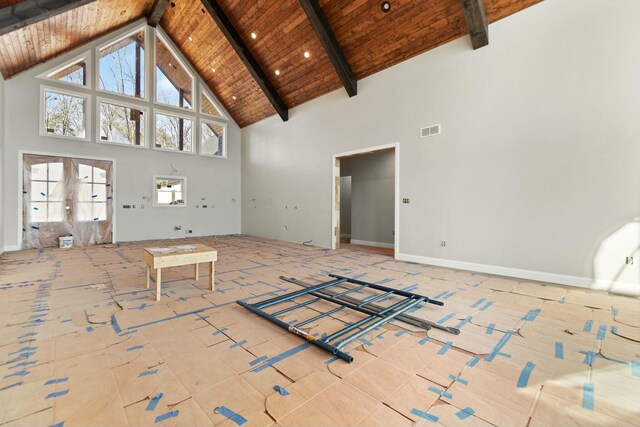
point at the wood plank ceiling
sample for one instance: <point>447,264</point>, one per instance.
<point>370,39</point>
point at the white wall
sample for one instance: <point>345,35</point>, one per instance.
<point>2,130</point>
<point>216,180</point>
<point>372,197</point>
<point>345,206</point>
<point>536,166</point>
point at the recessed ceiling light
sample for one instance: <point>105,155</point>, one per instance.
<point>234,98</point>
<point>385,6</point>
<point>254,36</point>
<point>277,72</point>
<point>213,69</point>
<point>190,39</point>
<point>307,54</point>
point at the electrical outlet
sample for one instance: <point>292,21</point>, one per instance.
<point>406,201</point>
<point>204,206</point>
<point>629,260</point>
<point>443,243</point>
<point>189,231</point>
<point>141,206</point>
<point>126,206</point>
<point>177,227</point>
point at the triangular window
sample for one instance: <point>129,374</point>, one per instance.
<point>74,72</point>
<point>174,84</point>
<point>207,106</point>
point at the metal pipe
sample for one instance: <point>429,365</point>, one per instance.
<point>286,297</point>
<point>374,299</point>
<point>319,316</point>
<point>310,339</point>
<point>385,288</point>
<point>277,313</point>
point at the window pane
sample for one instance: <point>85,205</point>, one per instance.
<point>54,211</point>
<point>121,124</point>
<point>122,66</point>
<point>38,212</point>
<point>56,171</point>
<point>74,74</point>
<point>208,107</point>
<point>99,175</point>
<point>99,193</point>
<point>39,172</point>
<point>64,114</point>
<point>83,211</point>
<point>170,191</point>
<point>84,193</point>
<point>173,82</point>
<point>85,172</point>
<point>38,191</point>
<point>56,191</point>
<point>212,136</point>
<point>171,131</point>
<point>99,211</point>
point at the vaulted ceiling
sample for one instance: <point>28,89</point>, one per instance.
<point>369,40</point>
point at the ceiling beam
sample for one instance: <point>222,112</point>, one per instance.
<point>247,58</point>
<point>29,12</point>
<point>477,23</point>
<point>159,6</point>
<point>330,44</point>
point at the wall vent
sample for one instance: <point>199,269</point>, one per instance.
<point>428,131</point>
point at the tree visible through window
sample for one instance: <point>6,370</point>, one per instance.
<point>64,114</point>
<point>122,66</point>
<point>121,124</point>
<point>46,193</point>
<point>174,85</point>
<point>91,199</point>
<point>75,73</point>
<point>174,133</point>
<point>212,139</point>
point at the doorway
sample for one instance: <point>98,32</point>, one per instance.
<point>365,200</point>
<point>64,196</point>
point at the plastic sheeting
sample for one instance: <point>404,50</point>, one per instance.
<point>66,196</point>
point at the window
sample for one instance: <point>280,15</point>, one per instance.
<point>92,194</point>
<point>174,84</point>
<point>174,132</point>
<point>122,66</point>
<point>74,73</point>
<point>64,113</point>
<point>207,106</point>
<point>213,139</point>
<point>121,124</point>
<point>47,193</point>
<point>169,191</point>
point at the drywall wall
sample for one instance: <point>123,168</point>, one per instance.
<point>536,166</point>
<point>372,197</point>
<point>211,181</point>
<point>345,206</point>
<point>2,128</point>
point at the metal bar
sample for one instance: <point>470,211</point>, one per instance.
<point>310,339</point>
<point>278,313</point>
<point>378,323</point>
<point>347,304</point>
<point>407,318</point>
<point>385,288</point>
<point>374,299</point>
<point>319,316</point>
<point>286,297</point>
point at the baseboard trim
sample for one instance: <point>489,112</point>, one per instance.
<point>374,244</point>
<point>10,248</point>
<point>625,288</point>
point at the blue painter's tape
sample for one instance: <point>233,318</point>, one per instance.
<point>366,342</point>
<point>281,390</point>
<point>588,396</point>
<point>57,393</point>
<point>602,330</point>
<point>219,332</point>
<point>614,311</point>
<point>57,381</point>
<point>587,326</point>
<point>474,360</point>
<point>531,315</point>
<point>89,328</point>
<point>238,344</point>
<point>465,413</point>
<point>30,334</point>
<point>17,374</point>
<point>559,350</point>
<point>463,322</point>
<point>588,357</point>
<point>498,347</point>
<point>42,194</point>
<point>487,305</point>
<point>445,318</point>
<point>229,414</point>
<point>18,365</point>
<point>11,386</point>
<point>258,360</point>
<point>166,416</point>
<point>114,324</point>
<point>424,415</point>
<point>135,347</point>
<point>401,333</point>
<point>35,227</point>
<point>458,379</point>
<point>60,424</point>
<point>440,392</point>
<point>424,340</point>
<point>329,361</point>
<point>440,295</point>
<point>282,356</point>
<point>490,328</point>
<point>635,368</point>
<point>525,374</point>
<point>151,406</point>
<point>145,373</point>
<point>614,330</point>
<point>23,349</point>
<point>445,348</point>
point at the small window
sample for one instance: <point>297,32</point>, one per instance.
<point>91,198</point>
<point>174,133</point>
<point>207,106</point>
<point>64,114</point>
<point>169,191</point>
<point>174,84</point>
<point>75,73</point>
<point>47,194</point>
<point>213,139</point>
<point>121,66</point>
<point>121,124</point>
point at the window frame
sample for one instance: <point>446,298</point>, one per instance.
<point>144,141</point>
<point>87,57</point>
<point>93,183</point>
<point>87,113</point>
<point>155,193</point>
<point>205,94</point>
<point>201,122</point>
<point>193,119</point>
<point>146,62</point>
<point>159,35</point>
<point>48,182</point>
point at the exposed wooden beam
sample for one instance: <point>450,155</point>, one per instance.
<point>29,12</point>
<point>159,6</point>
<point>330,44</point>
<point>247,58</point>
<point>477,23</point>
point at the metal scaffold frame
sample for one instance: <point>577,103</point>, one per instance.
<point>377,315</point>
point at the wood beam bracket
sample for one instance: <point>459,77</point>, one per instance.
<point>158,9</point>
<point>330,44</point>
<point>477,23</point>
<point>234,39</point>
<point>29,12</point>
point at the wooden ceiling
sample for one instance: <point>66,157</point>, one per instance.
<point>370,39</point>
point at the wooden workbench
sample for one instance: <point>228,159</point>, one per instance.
<point>174,256</point>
